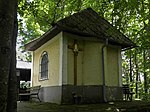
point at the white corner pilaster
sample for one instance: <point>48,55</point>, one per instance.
<point>120,67</point>
<point>63,60</point>
<point>32,68</point>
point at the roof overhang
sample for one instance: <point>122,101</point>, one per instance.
<point>33,45</point>
<point>97,28</point>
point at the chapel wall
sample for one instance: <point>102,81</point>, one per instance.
<point>70,63</point>
<point>92,63</point>
<point>88,62</point>
<point>112,74</point>
<point>52,47</point>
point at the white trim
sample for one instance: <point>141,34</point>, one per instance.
<point>64,61</point>
<point>119,67</point>
<point>32,68</point>
<point>61,59</point>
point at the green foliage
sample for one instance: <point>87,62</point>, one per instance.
<point>132,17</point>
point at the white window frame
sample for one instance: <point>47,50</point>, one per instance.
<point>46,71</point>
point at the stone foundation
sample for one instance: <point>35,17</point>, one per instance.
<point>51,94</point>
<point>89,94</point>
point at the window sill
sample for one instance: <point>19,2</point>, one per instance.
<point>43,79</point>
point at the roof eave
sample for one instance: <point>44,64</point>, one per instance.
<point>43,39</point>
<point>129,47</point>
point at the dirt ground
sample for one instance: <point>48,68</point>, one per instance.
<point>134,106</point>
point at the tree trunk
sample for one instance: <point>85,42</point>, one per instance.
<point>145,75</point>
<point>137,76</point>
<point>12,83</point>
<point>6,33</point>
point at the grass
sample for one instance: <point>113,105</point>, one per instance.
<point>125,106</point>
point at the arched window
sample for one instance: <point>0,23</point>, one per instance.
<point>44,66</point>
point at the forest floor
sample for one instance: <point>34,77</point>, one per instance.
<point>124,106</point>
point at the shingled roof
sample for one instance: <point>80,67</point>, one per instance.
<point>86,23</point>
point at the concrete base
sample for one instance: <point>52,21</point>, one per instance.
<point>114,93</point>
<point>89,94</point>
<point>51,94</point>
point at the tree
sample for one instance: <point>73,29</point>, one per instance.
<point>12,81</point>
<point>130,16</point>
<point>7,53</point>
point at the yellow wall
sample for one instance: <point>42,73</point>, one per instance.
<point>88,63</point>
<point>70,63</point>
<point>52,47</point>
<point>92,65</point>
<point>112,74</point>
